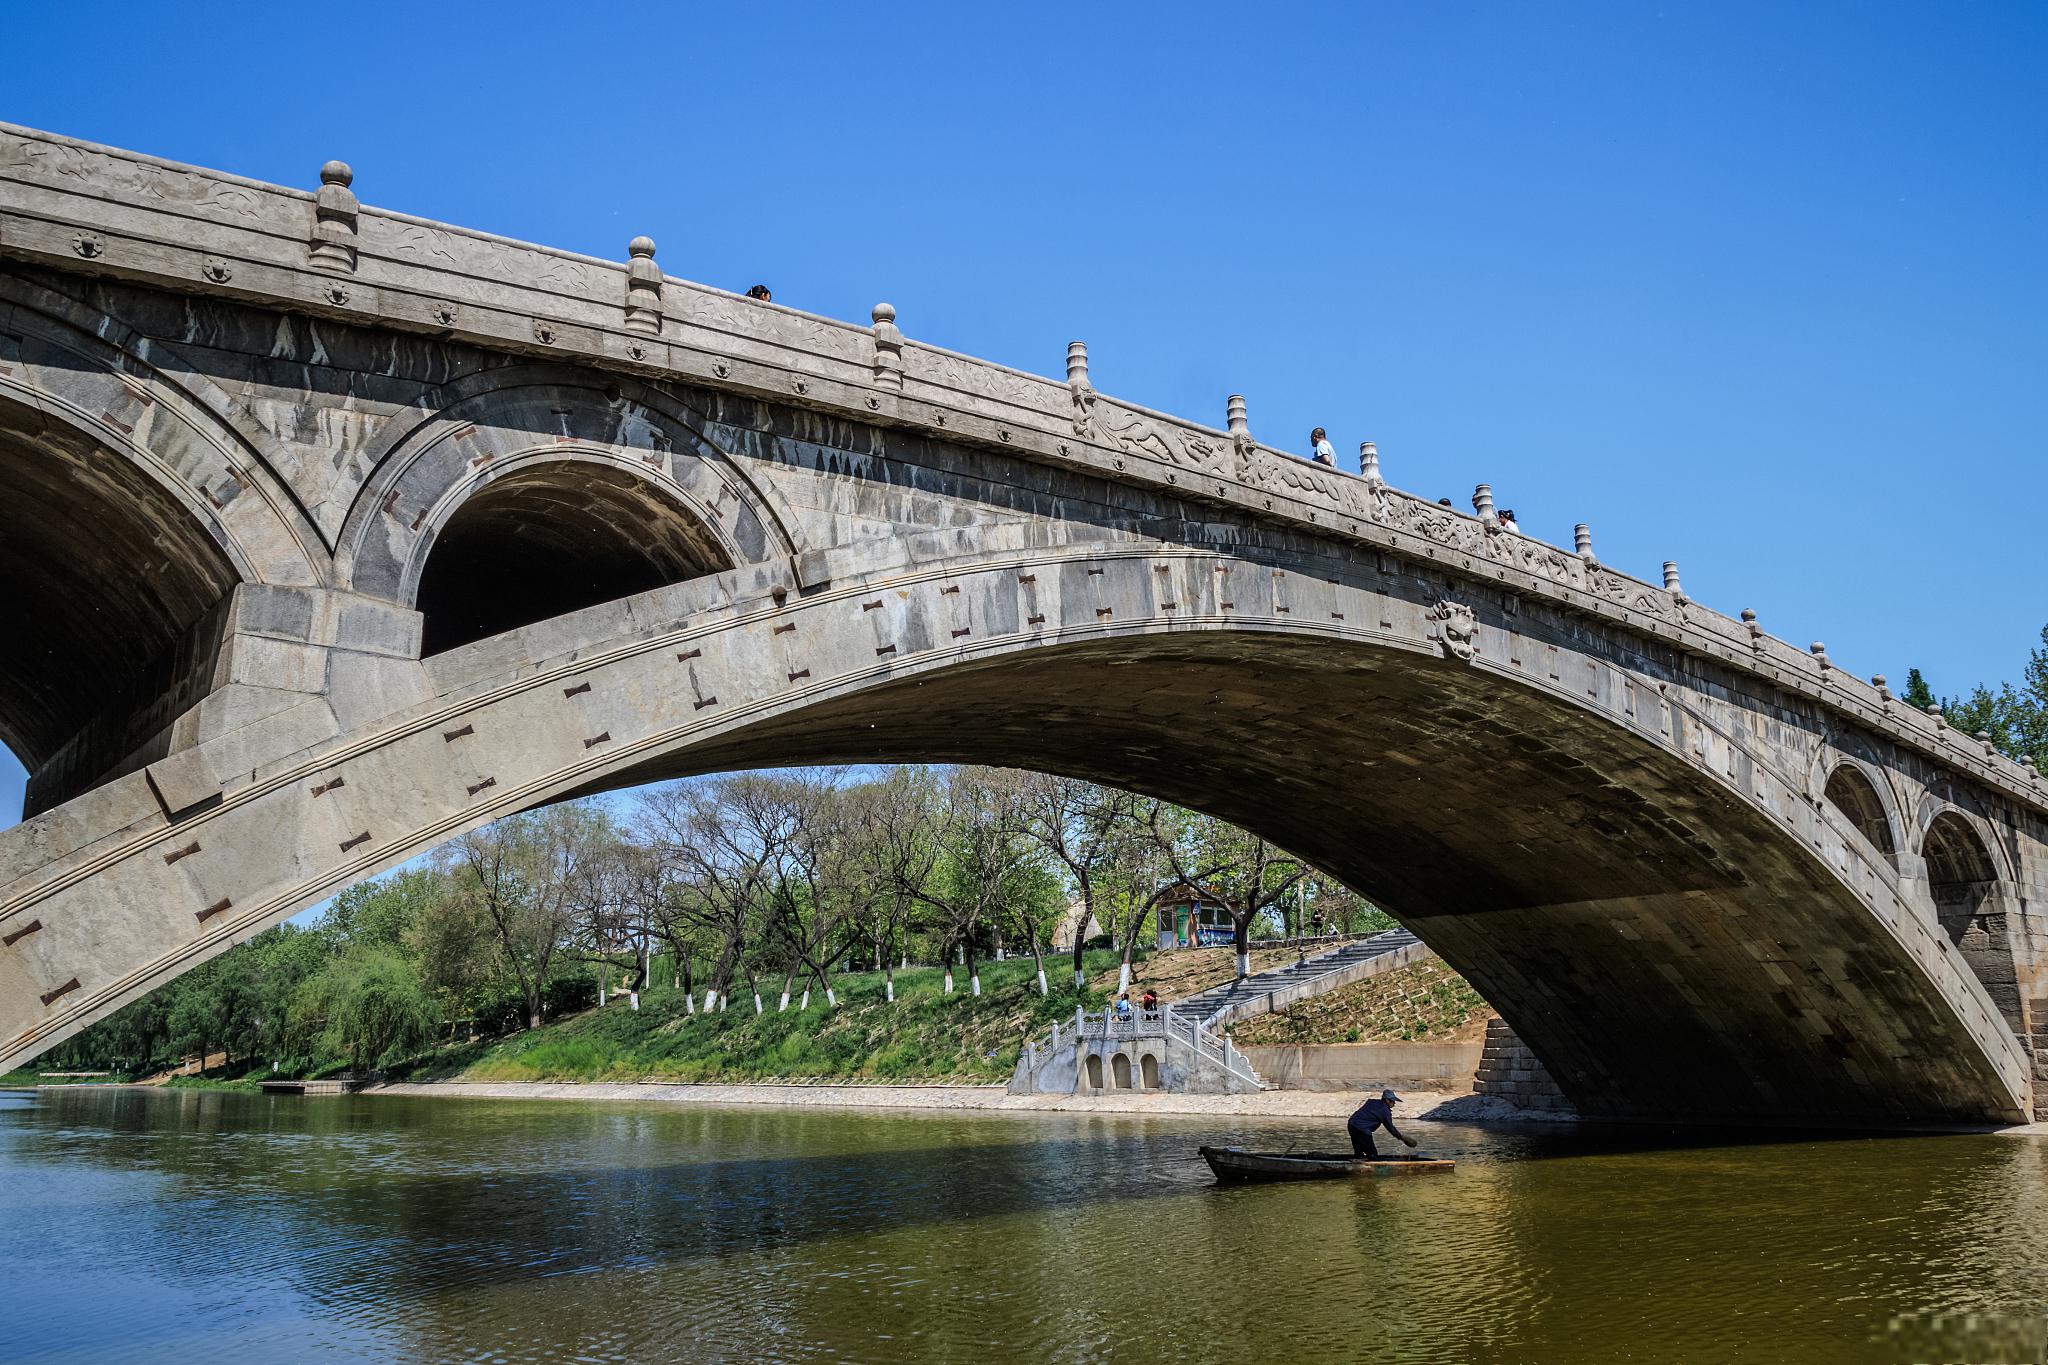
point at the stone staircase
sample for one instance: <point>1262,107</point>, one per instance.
<point>1283,986</point>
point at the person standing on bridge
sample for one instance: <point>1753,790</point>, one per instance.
<point>1374,1113</point>
<point>1323,451</point>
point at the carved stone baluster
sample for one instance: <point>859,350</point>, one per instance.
<point>1482,503</point>
<point>1369,464</point>
<point>888,348</point>
<point>334,220</point>
<point>643,286</point>
<point>1671,583</point>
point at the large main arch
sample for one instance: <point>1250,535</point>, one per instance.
<point>1564,827</point>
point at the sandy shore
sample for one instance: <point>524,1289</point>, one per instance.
<point>1267,1104</point>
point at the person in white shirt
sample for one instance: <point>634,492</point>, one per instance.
<point>1324,452</point>
<point>1507,520</point>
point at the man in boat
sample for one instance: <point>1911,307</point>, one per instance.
<point>1374,1113</point>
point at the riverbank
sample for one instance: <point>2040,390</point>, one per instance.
<point>1267,1104</point>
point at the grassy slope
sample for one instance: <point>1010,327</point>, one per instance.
<point>924,1034</point>
<point>1424,1003</point>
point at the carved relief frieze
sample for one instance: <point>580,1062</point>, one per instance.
<point>52,163</point>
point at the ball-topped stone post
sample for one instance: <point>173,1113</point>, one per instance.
<point>335,209</point>
<point>643,287</point>
<point>888,369</point>
<point>1819,652</point>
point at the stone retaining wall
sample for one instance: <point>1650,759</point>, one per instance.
<point>1366,1066</point>
<point>1508,1070</point>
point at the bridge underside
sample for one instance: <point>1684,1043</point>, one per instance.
<point>1665,950</point>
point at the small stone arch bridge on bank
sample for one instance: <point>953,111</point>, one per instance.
<point>327,533</point>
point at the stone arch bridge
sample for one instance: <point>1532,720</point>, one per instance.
<point>327,533</point>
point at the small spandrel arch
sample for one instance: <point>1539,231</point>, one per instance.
<point>554,537</point>
<point>1973,909</point>
<point>1852,793</point>
<point>1957,860</point>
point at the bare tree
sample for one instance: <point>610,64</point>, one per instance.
<point>893,850</point>
<point>987,860</point>
<point>723,841</point>
<point>1086,828</point>
<point>818,893</point>
<point>1232,866</point>
<point>534,877</point>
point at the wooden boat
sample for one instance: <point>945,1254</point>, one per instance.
<point>1234,1165</point>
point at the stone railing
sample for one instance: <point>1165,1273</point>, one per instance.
<point>84,208</point>
<point>1104,1026</point>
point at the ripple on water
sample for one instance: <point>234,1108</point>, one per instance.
<point>187,1225</point>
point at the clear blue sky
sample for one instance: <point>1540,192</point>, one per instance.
<point>1762,288</point>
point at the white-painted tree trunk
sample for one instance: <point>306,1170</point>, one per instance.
<point>710,999</point>
<point>949,980</point>
<point>999,952</point>
<point>689,1004</point>
<point>831,1000</point>
<point>1244,964</point>
<point>1080,979</point>
<point>784,1006</point>
<point>757,1003</point>
<point>807,999</point>
<point>633,997</point>
<point>600,996</point>
<point>1043,989</point>
<point>1123,977</point>
<point>892,991</point>
<point>724,999</point>
<point>976,982</point>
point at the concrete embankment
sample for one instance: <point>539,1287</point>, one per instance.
<point>1367,1066</point>
<point>1269,1104</point>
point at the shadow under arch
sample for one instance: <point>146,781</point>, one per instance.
<point>555,531</point>
<point>110,581</point>
<point>1974,907</point>
<point>1850,791</point>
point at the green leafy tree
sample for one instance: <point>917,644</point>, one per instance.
<point>372,1008</point>
<point>1918,694</point>
<point>2014,718</point>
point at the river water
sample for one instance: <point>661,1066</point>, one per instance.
<point>188,1226</point>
